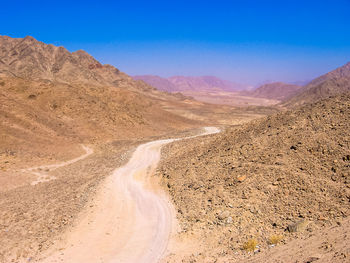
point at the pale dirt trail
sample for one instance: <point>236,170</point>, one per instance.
<point>42,171</point>
<point>131,218</point>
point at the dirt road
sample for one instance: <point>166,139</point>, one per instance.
<point>42,171</point>
<point>131,218</point>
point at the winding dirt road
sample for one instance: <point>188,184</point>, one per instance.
<point>131,218</point>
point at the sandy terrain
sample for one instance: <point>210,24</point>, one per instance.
<point>130,220</point>
<point>233,98</point>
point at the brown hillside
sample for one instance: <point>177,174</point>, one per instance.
<point>36,116</point>
<point>285,175</point>
<point>333,83</point>
<point>277,90</point>
<point>51,98</point>
<point>29,58</point>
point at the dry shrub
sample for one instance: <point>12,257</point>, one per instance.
<point>250,245</point>
<point>275,239</point>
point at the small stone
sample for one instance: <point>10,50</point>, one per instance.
<point>229,220</point>
<point>241,178</point>
<point>223,215</point>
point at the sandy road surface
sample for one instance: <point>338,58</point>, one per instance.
<point>42,171</point>
<point>130,220</point>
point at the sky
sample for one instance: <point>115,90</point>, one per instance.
<point>247,41</point>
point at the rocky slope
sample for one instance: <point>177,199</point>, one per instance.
<point>49,95</point>
<point>273,179</point>
<point>332,83</point>
<point>32,59</point>
<point>36,115</point>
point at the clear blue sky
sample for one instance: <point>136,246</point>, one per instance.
<point>246,41</point>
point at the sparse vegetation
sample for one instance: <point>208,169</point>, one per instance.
<point>250,245</point>
<point>275,239</point>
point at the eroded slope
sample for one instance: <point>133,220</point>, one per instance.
<point>283,175</point>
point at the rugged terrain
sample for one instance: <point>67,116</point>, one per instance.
<point>214,90</point>
<point>54,105</point>
<point>52,99</point>
<point>36,116</point>
<point>270,180</point>
<point>330,84</point>
<point>67,122</point>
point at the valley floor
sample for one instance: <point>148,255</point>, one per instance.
<point>281,181</point>
<point>42,205</point>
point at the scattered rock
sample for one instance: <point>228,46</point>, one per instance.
<point>298,226</point>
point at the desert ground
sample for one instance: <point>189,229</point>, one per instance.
<point>98,167</point>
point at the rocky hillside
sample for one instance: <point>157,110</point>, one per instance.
<point>51,98</point>
<point>273,179</point>
<point>36,115</point>
<point>29,58</point>
<point>276,90</point>
<point>332,83</point>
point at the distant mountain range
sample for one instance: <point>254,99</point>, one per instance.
<point>193,84</point>
<point>332,83</point>
<point>31,59</point>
